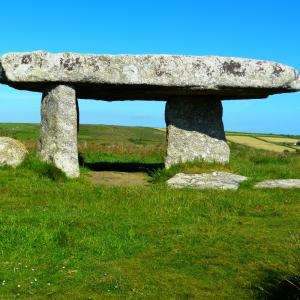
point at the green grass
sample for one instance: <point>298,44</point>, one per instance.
<point>105,134</point>
<point>120,134</point>
<point>20,131</point>
<point>70,239</point>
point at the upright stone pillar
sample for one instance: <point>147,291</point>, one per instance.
<point>195,131</point>
<point>58,141</point>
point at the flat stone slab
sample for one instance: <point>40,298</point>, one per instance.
<point>149,77</point>
<point>279,183</point>
<point>213,180</point>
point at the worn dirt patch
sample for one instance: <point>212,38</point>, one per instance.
<point>112,178</point>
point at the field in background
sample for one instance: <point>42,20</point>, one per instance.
<point>270,142</point>
<point>74,239</point>
<point>279,139</point>
<point>256,143</point>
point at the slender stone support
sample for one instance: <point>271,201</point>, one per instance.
<point>58,141</point>
<point>195,131</point>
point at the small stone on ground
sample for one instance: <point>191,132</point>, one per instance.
<point>12,152</point>
<point>111,178</point>
<point>212,180</point>
<point>279,183</point>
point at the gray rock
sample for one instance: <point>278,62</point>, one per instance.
<point>58,142</point>
<point>114,77</point>
<point>213,180</point>
<point>279,183</point>
<point>296,85</point>
<point>195,131</point>
<point>12,152</point>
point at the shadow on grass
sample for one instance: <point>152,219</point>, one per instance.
<point>148,168</point>
<point>276,287</point>
<point>42,169</point>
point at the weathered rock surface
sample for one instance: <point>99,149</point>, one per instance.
<point>12,152</point>
<point>213,180</point>
<point>148,76</point>
<point>58,141</point>
<point>195,131</point>
<point>193,87</point>
<point>279,183</point>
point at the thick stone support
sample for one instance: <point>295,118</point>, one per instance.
<point>195,131</point>
<point>58,141</point>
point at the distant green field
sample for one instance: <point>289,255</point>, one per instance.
<point>20,131</point>
<point>122,134</point>
<point>297,137</point>
<point>95,133</point>
<point>258,143</point>
<point>77,239</point>
<point>264,135</point>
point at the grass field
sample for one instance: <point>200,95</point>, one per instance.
<point>73,239</point>
<point>279,139</point>
<point>258,143</point>
<point>297,137</point>
<point>269,142</point>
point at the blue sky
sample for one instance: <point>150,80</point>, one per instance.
<point>261,29</point>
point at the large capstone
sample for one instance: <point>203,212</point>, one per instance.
<point>58,141</point>
<point>195,131</point>
<point>158,77</point>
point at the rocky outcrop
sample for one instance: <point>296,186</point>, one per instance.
<point>213,180</point>
<point>279,183</point>
<point>148,76</point>
<point>12,152</point>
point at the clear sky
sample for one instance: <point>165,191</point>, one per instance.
<point>261,29</point>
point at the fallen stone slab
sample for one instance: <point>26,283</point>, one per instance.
<point>212,180</point>
<point>279,183</point>
<point>12,152</point>
<point>152,77</point>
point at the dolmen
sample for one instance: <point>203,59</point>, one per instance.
<point>192,86</point>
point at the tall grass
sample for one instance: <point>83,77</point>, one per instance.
<point>71,239</point>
